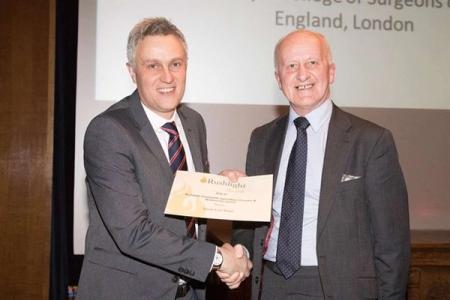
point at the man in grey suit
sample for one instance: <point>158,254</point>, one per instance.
<point>340,225</point>
<point>133,250</point>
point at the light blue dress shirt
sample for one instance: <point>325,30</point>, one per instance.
<point>317,133</point>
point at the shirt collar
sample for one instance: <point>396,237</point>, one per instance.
<point>317,117</point>
<point>156,120</point>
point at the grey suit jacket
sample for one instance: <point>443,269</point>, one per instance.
<point>133,250</point>
<point>363,244</point>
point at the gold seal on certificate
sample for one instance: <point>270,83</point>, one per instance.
<point>212,196</point>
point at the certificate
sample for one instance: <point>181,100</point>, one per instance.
<point>212,196</point>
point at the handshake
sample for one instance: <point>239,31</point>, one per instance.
<point>236,265</point>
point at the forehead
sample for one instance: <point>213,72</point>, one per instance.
<point>301,45</point>
<point>161,46</point>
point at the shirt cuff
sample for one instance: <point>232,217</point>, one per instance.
<point>212,263</point>
<point>247,253</point>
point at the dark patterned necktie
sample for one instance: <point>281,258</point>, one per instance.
<point>291,224</point>
<point>177,157</point>
<point>177,161</point>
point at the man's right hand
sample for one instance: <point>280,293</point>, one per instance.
<point>236,265</point>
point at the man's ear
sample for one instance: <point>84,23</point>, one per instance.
<point>277,77</point>
<point>131,71</point>
<point>332,73</point>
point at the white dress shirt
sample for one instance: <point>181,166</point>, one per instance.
<point>157,122</point>
<point>317,133</point>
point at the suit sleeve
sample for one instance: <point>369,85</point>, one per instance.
<point>118,198</point>
<point>388,210</point>
<point>243,232</point>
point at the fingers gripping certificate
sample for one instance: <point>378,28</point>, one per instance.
<point>212,196</point>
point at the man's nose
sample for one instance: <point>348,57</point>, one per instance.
<point>166,75</point>
<point>302,73</point>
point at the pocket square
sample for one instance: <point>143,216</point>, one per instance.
<point>347,177</point>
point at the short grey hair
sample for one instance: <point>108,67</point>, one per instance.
<point>318,35</point>
<point>151,27</point>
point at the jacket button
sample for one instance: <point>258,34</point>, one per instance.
<point>256,279</point>
<point>262,243</point>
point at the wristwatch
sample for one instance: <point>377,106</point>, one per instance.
<point>218,260</point>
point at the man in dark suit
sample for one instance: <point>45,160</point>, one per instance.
<point>133,250</point>
<point>340,225</point>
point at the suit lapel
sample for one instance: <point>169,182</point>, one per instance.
<point>192,137</point>
<point>273,154</point>
<point>273,148</point>
<point>148,134</point>
<point>337,149</point>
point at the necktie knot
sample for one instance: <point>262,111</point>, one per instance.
<point>301,122</point>
<point>170,128</point>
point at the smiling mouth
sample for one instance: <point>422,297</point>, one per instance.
<point>304,86</point>
<point>166,90</point>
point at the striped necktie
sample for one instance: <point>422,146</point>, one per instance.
<point>177,161</point>
<point>177,157</point>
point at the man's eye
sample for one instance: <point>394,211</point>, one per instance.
<point>153,66</point>
<point>312,63</point>
<point>292,66</point>
<point>176,65</point>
